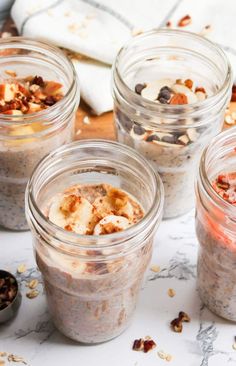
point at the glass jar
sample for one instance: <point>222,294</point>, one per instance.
<point>174,54</point>
<point>25,139</point>
<point>216,228</point>
<point>93,306</point>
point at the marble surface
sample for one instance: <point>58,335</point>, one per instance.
<point>205,341</point>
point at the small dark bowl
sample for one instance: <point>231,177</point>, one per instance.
<point>11,310</point>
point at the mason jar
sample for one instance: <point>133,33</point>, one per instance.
<point>171,136</point>
<point>92,282</point>
<point>25,139</point>
<point>216,227</point>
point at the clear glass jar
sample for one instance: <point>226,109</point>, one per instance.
<point>97,306</point>
<point>177,55</point>
<point>216,228</point>
<point>20,151</point>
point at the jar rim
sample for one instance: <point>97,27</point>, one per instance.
<point>97,241</point>
<point>49,50</point>
<point>170,110</point>
<point>206,183</point>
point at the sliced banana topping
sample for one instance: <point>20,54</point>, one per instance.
<point>73,213</point>
<point>111,224</point>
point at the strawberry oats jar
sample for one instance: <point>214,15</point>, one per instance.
<point>216,225</point>
<point>170,91</point>
<point>93,207</point>
<point>39,96</point>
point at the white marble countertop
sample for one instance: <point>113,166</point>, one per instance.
<point>205,341</point>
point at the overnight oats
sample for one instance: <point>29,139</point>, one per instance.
<point>38,100</point>
<point>170,90</point>
<point>93,208</point>
<point>216,225</point>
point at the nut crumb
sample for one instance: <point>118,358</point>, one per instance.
<point>78,132</point>
<point>171,292</point>
<point>32,294</point>
<point>33,284</point>
<point>155,268</point>
<point>86,120</point>
<point>21,268</point>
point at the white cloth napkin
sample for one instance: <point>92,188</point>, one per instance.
<point>99,28</point>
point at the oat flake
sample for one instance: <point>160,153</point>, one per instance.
<point>32,294</point>
<point>155,268</point>
<point>21,268</point>
<point>33,284</point>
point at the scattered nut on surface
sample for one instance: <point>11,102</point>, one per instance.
<point>21,268</point>
<point>177,323</point>
<point>234,346</point>
<point>144,345</point>
<point>186,20</point>
<point>15,358</point>
<point>32,294</point>
<point>33,284</point>
<point>155,268</point>
<point>171,292</point>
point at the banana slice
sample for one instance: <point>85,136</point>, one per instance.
<point>72,212</point>
<point>111,224</point>
<point>115,203</point>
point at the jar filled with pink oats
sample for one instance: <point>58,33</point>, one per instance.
<point>93,208</point>
<point>216,225</point>
<point>39,96</point>
<point>170,91</point>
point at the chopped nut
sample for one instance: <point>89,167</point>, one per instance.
<point>155,269</point>
<point>183,140</point>
<point>186,20</point>
<point>171,292</point>
<point>11,73</point>
<point>21,268</point>
<point>148,345</point>
<point>188,83</point>
<point>32,294</point>
<point>33,284</point>
<point>138,345</point>
<point>176,325</point>
<point>184,317</point>
<point>144,345</point>
<point>168,24</point>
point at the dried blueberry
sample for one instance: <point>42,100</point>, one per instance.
<point>152,138</point>
<point>139,87</point>
<point>162,100</point>
<point>139,130</point>
<point>168,139</point>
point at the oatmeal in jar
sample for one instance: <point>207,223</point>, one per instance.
<point>32,123</point>
<point>168,103</point>
<point>95,239</point>
<point>216,228</point>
